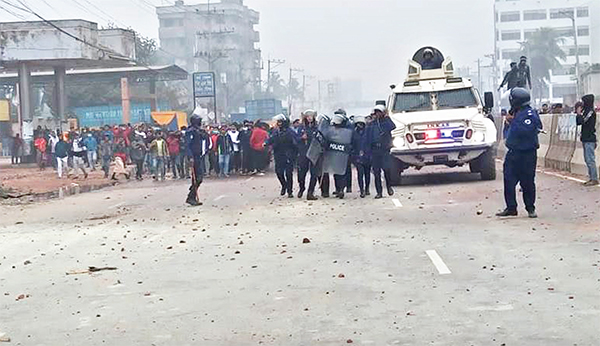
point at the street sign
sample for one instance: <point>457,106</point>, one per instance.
<point>204,84</point>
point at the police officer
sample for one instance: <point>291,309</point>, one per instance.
<point>360,156</point>
<point>283,140</point>
<point>305,134</point>
<point>379,143</point>
<point>337,151</point>
<point>315,154</point>
<point>198,145</point>
<point>520,161</point>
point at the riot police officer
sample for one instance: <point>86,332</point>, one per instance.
<point>283,140</point>
<point>521,158</point>
<point>305,134</point>
<point>379,144</point>
<point>198,144</point>
<point>337,151</point>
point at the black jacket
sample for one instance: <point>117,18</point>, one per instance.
<point>587,120</point>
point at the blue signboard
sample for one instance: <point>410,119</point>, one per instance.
<point>204,84</point>
<point>113,114</point>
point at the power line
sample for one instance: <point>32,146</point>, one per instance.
<point>16,15</point>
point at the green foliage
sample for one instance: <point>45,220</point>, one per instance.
<point>544,53</point>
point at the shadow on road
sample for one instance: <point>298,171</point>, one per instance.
<point>439,178</point>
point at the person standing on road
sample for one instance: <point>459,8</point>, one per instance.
<point>379,144</point>
<point>61,151</point>
<point>106,153</point>
<point>198,145</point>
<point>338,141</point>
<point>224,150</point>
<point>16,151</point>
<point>173,145</point>
<point>52,141</point>
<point>92,146</point>
<point>138,154</point>
<point>245,147</point>
<point>359,156</point>
<point>236,156</point>
<point>259,159</point>
<point>161,153</point>
<point>78,151</point>
<point>521,158</point>
<point>305,134</point>
<point>40,151</point>
<point>586,117</point>
<point>283,141</point>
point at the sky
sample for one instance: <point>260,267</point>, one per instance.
<point>367,40</point>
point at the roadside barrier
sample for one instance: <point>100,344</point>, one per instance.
<point>560,147</point>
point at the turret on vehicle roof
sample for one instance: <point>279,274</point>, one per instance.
<point>429,63</point>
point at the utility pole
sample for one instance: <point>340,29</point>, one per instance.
<point>290,96</point>
<point>575,41</point>
<point>479,74</point>
<point>272,64</point>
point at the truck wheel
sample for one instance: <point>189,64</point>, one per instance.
<point>487,165</point>
<point>395,172</point>
<point>474,166</point>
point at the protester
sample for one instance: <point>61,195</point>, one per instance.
<point>106,153</point>
<point>224,151</point>
<point>91,144</point>
<point>259,156</point>
<point>173,145</point>
<point>78,153</point>
<point>246,149</point>
<point>62,155</point>
<point>236,156</point>
<point>52,141</point>
<point>586,117</point>
<point>138,154</point>
<point>510,78</point>
<point>183,154</point>
<point>198,145</point>
<point>16,151</point>
<point>40,151</point>
<point>160,151</point>
<point>523,74</point>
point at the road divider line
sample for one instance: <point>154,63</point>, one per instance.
<point>439,264</point>
<point>220,198</point>
<point>397,203</point>
<point>558,175</point>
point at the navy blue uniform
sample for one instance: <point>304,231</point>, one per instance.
<point>198,144</point>
<point>361,159</point>
<point>521,159</point>
<point>285,151</point>
<point>304,164</point>
<point>379,143</point>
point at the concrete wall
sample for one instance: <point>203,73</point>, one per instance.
<point>39,41</point>
<point>118,40</point>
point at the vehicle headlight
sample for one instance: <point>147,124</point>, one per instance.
<point>479,137</point>
<point>399,142</point>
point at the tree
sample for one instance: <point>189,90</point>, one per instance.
<point>544,53</point>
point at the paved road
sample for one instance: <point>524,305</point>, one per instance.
<point>424,269</point>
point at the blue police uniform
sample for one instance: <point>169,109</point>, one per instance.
<point>361,159</point>
<point>285,151</point>
<point>198,144</point>
<point>379,143</point>
<point>521,159</point>
<point>304,164</point>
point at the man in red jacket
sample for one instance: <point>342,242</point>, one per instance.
<point>259,151</point>
<point>173,145</point>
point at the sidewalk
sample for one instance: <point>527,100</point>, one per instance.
<point>27,179</point>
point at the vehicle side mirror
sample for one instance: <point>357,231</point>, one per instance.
<point>488,100</point>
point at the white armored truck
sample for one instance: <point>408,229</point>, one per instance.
<point>440,119</point>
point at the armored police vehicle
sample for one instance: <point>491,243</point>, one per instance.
<point>440,119</point>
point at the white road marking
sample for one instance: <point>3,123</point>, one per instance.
<point>507,307</point>
<point>397,203</point>
<point>220,198</point>
<point>250,179</point>
<point>441,267</point>
<point>558,175</point>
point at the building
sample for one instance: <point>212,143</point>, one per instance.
<point>218,37</point>
<point>516,20</point>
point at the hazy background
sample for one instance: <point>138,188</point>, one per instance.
<point>370,40</point>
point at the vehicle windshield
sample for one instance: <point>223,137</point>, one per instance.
<point>446,99</point>
<point>458,98</point>
<point>413,102</point>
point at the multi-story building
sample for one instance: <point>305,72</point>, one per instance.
<point>215,36</point>
<point>516,20</point>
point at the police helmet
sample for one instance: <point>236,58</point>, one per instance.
<point>519,97</point>
<point>338,119</point>
<point>195,120</point>
<point>323,117</point>
<point>359,119</point>
<point>281,119</point>
<point>340,112</point>
<point>310,112</point>
<point>428,51</point>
